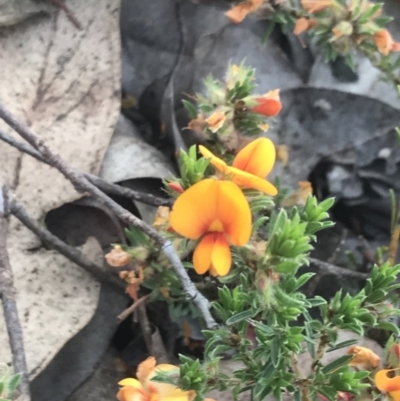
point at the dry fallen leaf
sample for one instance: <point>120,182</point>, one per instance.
<point>65,84</point>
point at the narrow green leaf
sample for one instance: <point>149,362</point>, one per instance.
<point>337,364</point>
<point>238,317</point>
<point>388,326</point>
<point>190,108</point>
<point>275,351</point>
<point>343,344</point>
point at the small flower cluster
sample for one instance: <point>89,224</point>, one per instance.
<point>216,211</point>
<point>338,27</point>
<point>229,112</point>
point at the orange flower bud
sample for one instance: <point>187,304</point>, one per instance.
<point>175,186</point>
<point>385,43</point>
<point>117,257</point>
<point>364,358</point>
<point>269,105</point>
<point>316,6</point>
<point>395,349</point>
<point>216,121</point>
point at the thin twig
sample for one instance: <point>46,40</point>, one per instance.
<point>394,244</point>
<point>72,253</point>
<point>82,184</point>
<point>7,294</point>
<point>122,316</point>
<point>105,186</point>
<point>341,272</point>
<point>70,15</point>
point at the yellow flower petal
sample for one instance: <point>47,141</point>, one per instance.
<point>248,180</point>
<point>130,382</point>
<point>145,369</point>
<point>233,211</point>
<point>218,163</point>
<point>202,254</point>
<point>257,158</point>
<point>132,394</point>
<point>163,391</point>
<point>388,384</point>
<point>196,209</point>
<point>212,205</point>
<point>221,257</point>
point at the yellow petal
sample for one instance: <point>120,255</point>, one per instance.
<point>202,254</point>
<point>132,394</point>
<point>163,391</point>
<point>385,383</point>
<point>257,158</point>
<point>145,369</point>
<point>130,382</point>
<point>395,395</point>
<point>218,163</point>
<point>196,209</point>
<point>213,205</point>
<point>221,257</point>
<point>234,213</point>
<point>248,180</point>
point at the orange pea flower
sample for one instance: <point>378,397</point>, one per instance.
<point>238,13</point>
<point>250,166</point>
<point>218,213</point>
<point>143,389</point>
<point>364,358</point>
<point>269,105</point>
<point>303,25</point>
<point>117,257</point>
<point>316,6</point>
<point>390,385</point>
<point>385,43</point>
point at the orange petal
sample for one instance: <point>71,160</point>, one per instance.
<point>221,257</point>
<point>238,13</point>
<point>202,254</point>
<point>385,383</point>
<point>384,41</point>
<point>233,212</point>
<point>132,394</point>
<point>196,209</point>
<point>302,25</point>
<point>316,6</point>
<point>364,357</point>
<point>218,163</point>
<point>267,107</point>
<point>257,158</point>
<point>248,180</point>
<point>145,369</point>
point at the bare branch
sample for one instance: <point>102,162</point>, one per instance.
<point>105,186</point>
<point>329,268</point>
<point>7,293</point>
<point>70,15</point>
<point>82,184</point>
<point>122,316</point>
<point>72,253</point>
